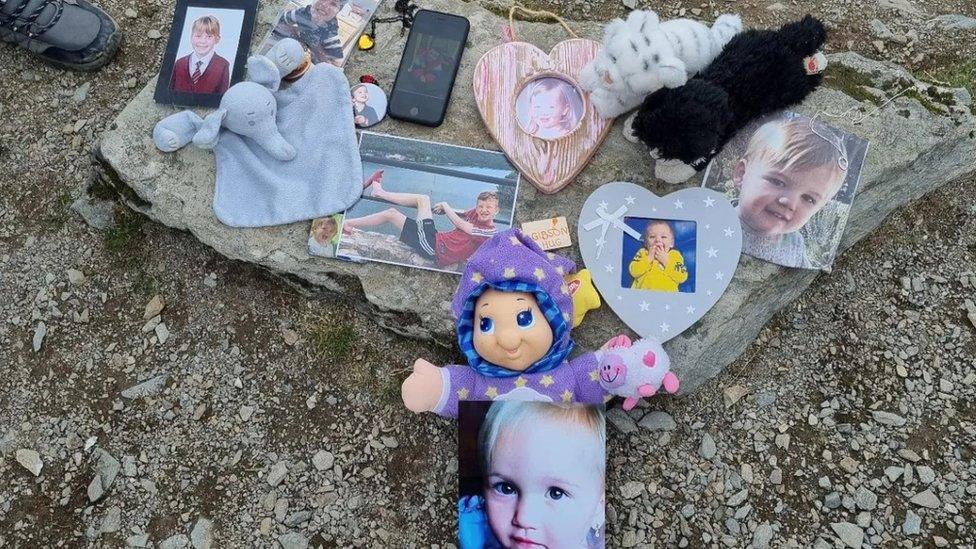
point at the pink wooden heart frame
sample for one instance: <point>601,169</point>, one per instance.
<point>500,76</point>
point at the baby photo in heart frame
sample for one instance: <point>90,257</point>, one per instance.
<point>532,105</point>
<point>663,260</point>
<point>661,263</point>
<point>549,107</point>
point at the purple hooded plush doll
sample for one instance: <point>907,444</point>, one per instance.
<point>514,313</point>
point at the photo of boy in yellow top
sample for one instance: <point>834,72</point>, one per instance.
<point>658,265</point>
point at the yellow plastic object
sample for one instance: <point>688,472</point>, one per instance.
<point>585,296</point>
<point>366,42</point>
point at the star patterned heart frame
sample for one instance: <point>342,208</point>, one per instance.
<point>609,222</point>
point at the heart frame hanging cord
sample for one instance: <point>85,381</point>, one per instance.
<point>536,13</point>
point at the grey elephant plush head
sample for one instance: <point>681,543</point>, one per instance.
<point>248,109</point>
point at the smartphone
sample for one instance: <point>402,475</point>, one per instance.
<point>428,67</point>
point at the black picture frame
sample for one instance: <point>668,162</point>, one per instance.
<point>164,93</point>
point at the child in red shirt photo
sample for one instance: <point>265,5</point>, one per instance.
<point>471,227</point>
<point>202,70</point>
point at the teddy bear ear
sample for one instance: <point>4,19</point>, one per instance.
<point>206,136</point>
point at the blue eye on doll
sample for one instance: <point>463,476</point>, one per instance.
<point>486,325</point>
<point>525,319</point>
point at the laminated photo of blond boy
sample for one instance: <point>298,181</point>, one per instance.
<point>786,185</point>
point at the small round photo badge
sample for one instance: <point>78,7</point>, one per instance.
<point>368,102</point>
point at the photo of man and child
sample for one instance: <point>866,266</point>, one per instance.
<point>792,180</point>
<point>427,205</point>
<point>531,474</point>
<point>664,259</point>
<point>327,28</point>
<point>207,51</point>
<point>549,108</point>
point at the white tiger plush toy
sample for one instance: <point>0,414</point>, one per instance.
<point>642,55</point>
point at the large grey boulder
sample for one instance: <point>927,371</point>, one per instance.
<point>922,140</point>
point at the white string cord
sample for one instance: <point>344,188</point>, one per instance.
<point>842,161</point>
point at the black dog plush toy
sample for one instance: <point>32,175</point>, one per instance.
<point>757,73</point>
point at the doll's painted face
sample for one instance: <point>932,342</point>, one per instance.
<point>510,330</point>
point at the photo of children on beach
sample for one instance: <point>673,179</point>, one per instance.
<point>327,28</point>
<point>663,260</point>
<point>792,181</point>
<point>427,205</point>
<point>531,474</point>
<point>206,51</point>
<point>549,108</point>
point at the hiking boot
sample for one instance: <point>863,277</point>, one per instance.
<point>71,34</point>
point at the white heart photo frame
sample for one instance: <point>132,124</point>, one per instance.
<point>706,236</point>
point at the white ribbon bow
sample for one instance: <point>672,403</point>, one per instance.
<point>605,221</point>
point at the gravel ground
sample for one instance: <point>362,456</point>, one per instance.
<point>233,408</point>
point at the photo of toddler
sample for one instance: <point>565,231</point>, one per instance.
<point>792,181</point>
<point>540,476</point>
<point>658,265</point>
<point>663,260</point>
<point>549,108</point>
<point>368,104</point>
<point>324,236</point>
<point>203,70</point>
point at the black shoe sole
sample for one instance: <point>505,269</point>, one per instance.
<point>111,48</point>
